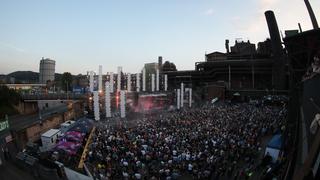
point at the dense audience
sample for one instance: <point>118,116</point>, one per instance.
<point>210,142</point>
<point>314,68</point>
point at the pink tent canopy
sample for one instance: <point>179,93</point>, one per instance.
<point>73,136</point>
<point>69,147</point>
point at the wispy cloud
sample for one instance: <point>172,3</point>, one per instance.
<point>287,15</point>
<point>209,12</point>
<point>12,47</point>
<point>235,18</point>
<point>266,4</point>
<point>258,23</point>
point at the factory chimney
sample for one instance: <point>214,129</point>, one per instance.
<point>278,70</point>
<point>160,61</point>
<point>274,34</point>
<point>311,14</point>
<point>227,46</point>
<point>300,29</point>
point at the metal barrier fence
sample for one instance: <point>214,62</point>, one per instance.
<point>53,96</point>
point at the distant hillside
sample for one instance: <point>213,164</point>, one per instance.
<point>24,76</point>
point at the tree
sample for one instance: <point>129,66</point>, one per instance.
<point>168,66</point>
<point>8,98</point>
<point>66,81</point>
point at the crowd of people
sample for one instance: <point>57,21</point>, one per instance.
<point>210,142</point>
<point>314,68</point>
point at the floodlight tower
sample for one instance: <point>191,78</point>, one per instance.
<point>96,105</point>
<point>107,100</point>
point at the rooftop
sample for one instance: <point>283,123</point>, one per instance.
<point>50,133</point>
<point>67,123</point>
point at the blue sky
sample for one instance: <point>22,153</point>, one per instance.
<point>80,35</point>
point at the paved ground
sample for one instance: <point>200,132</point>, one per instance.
<point>9,171</point>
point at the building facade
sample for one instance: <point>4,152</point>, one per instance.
<point>46,70</point>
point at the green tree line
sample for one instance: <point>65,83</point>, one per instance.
<point>8,98</point>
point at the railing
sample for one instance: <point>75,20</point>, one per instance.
<point>85,150</point>
<point>63,96</point>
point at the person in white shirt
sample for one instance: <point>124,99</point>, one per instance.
<point>190,167</point>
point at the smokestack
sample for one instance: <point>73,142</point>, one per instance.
<point>160,62</point>
<point>300,29</point>
<point>274,33</point>
<point>311,14</point>
<point>278,70</point>
<point>227,46</point>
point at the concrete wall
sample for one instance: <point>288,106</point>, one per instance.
<point>69,115</point>
<point>34,132</point>
<point>26,107</point>
<point>46,104</point>
<point>78,109</point>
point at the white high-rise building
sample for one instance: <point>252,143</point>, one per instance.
<point>46,70</point>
